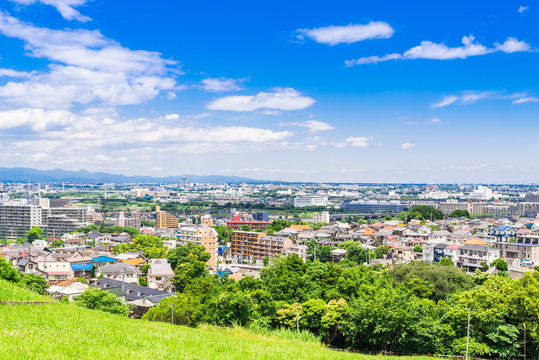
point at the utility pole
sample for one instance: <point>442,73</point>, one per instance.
<point>468,334</point>
<point>297,318</point>
<point>524,341</point>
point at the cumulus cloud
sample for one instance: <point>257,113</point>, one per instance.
<point>511,45</point>
<point>172,117</point>
<point>358,141</point>
<point>67,136</point>
<point>221,84</point>
<point>278,99</point>
<point>87,67</point>
<point>65,7</point>
<point>351,33</point>
<point>312,125</point>
<point>440,51</point>
<point>521,9</point>
<point>407,146</point>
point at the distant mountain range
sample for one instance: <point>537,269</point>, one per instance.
<point>20,174</point>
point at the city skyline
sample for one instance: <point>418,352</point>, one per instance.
<point>381,92</point>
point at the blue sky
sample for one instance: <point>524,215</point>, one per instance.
<point>348,91</point>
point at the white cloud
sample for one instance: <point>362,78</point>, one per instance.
<point>172,117</point>
<point>38,156</point>
<point>526,99</point>
<point>278,99</point>
<point>466,97</point>
<point>312,125</point>
<point>511,45</point>
<point>171,95</point>
<point>14,73</point>
<point>434,121</point>
<point>447,100</point>
<point>521,9</point>
<point>358,141</point>
<point>87,67</point>
<point>440,51</point>
<point>352,33</point>
<point>64,7</point>
<point>407,146</point>
<point>221,84</point>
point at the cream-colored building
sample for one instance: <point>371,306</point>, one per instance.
<point>205,236</point>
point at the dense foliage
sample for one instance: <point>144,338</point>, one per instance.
<point>102,300</point>
<point>410,308</point>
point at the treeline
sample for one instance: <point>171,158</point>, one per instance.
<point>411,308</point>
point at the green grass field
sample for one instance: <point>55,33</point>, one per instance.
<point>11,292</point>
<point>60,331</point>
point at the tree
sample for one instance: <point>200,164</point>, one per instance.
<point>8,272</point>
<point>446,261</point>
<point>152,246</point>
<point>57,243</point>
<point>102,300</point>
<point>187,253</point>
<point>223,233</point>
<point>34,283</point>
<point>183,306</point>
<point>323,253</point>
<point>418,248</point>
<point>460,213</point>
<point>34,234</point>
<point>244,227</point>
<point>500,264</point>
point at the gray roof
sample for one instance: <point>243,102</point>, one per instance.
<point>133,292</point>
<point>119,268</point>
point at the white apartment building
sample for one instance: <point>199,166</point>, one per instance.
<point>323,217</point>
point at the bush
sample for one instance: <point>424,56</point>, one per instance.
<point>102,300</point>
<point>7,271</point>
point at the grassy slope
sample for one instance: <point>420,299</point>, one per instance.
<point>58,331</point>
<point>11,292</point>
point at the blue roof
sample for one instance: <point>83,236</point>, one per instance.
<point>103,259</point>
<point>503,227</point>
<point>82,267</point>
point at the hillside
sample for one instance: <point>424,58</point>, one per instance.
<point>58,331</point>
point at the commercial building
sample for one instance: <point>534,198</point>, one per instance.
<point>303,201</point>
<point>374,206</point>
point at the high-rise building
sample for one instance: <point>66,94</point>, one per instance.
<point>16,218</point>
<point>165,220</point>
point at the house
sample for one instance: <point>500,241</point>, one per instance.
<point>474,252</point>
<point>121,271</point>
<point>160,275</point>
<point>502,232</point>
<point>71,292</point>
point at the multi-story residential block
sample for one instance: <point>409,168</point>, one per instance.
<point>249,245</point>
<point>16,218</point>
<point>165,220</point>
<point>323,217</point>
<point>524,247</point>
<point>204,236</point>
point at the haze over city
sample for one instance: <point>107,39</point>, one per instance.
<point>302,91</point>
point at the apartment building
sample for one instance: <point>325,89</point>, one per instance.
<point>303,201</point>
<point>204,236</point>
<point>323,217</point>
<point>524,247</point>
<point>249,245</point>
<point>16,218</point>
<point>164,219</point>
